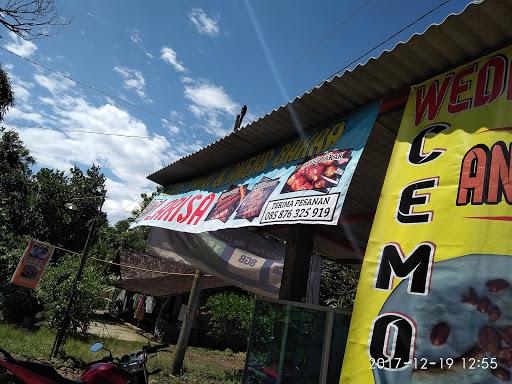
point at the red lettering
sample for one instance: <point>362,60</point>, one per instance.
<point>432,101</point>
<point>472,176</point>
<point>190,206</point>
<point>509,87</point>
<point>460,86</point>
<point>163,207</point>
<point>202,208</point>
<point>496,82</point>
<point>168,210</point>
<point>182,203</point>
<point>500,176</point>
<point>151,208</point>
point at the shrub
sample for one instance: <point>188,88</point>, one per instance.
<point>230,317</point>
<point>338,284</point>
<point>55,289</point>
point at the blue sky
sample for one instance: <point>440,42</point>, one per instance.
<point>193,62</point>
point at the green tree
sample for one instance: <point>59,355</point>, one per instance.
<point>119,236</point>
<point>230,317</point>
<point>6,94</point>
<point>55,288</point>
<point>338,284</point>
<point>15,171</point>
<point>51,220</point>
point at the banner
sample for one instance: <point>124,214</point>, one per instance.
<point>32,264</point>
<point>434,302</point>
<point>303,181</point>
<point>238,256</point>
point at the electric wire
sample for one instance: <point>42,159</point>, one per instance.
<point>327,35</point>
<point>85,131</point>
<point>386,40</point>
<point>83,84</point>
<point>336,28</point>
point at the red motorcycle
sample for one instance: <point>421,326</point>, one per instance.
<point>127,369</point>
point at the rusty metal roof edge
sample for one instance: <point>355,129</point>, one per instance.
<point>154,176</point>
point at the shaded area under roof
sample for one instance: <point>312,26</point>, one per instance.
<point>480,28</point>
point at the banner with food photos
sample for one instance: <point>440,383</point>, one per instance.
<point>32,264</point>
<point>434,301</point>
<point>302,181</point>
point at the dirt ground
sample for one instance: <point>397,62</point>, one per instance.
<point>114,331</point>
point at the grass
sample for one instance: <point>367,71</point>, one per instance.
<point>201,365</point>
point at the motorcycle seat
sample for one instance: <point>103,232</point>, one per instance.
<point>47,371</point>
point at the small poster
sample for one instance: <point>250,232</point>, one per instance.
<point>32,264</point>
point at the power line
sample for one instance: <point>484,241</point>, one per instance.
<point>83,84</point>
<point>386,40</point>
<point>328,34</point>
<point>84,131</point>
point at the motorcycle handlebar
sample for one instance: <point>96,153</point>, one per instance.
<point>106,359</point>
<point>155,348</point>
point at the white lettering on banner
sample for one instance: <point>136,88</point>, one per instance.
<point>246,264</point>
<point>309,208</point>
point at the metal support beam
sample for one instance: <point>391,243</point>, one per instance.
<point>299,247</point>
<point>186,327</point>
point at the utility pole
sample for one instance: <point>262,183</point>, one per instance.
<point>59,338</point>
<point>186,327</point>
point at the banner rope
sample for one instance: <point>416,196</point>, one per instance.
<point>118,264</point>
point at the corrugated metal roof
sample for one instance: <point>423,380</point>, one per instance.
<point>480,28</point>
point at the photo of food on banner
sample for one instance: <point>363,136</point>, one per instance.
<point>29,271</point>
<point>253,203</point>
<point>463,327</point>
<point>319,173</point>
<point>227,203</point>
<point>38,253</point>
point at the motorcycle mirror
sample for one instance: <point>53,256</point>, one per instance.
<point>96,347</point>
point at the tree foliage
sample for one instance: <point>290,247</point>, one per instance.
<point>6,94</point>
<point>15,171</point>
<point>338,284</point>
<point>55,288</point>
<point>230,317</point>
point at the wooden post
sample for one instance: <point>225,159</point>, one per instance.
<point>299,247</point>
<point>181,346</point>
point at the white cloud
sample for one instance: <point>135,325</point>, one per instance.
<point>53,83</point>
<point>20,87</point>
<point>172,128</point>
<point>20,46</point>
<point>133,79</point>
<point>212,104</point>
<point>135,36</point>
<point>168,55</point>
<point>205,25</point>
<point>26,115</point>
<point>128,160</point>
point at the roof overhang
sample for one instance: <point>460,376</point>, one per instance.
<point>479,29</point>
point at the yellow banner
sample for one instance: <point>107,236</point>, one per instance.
<point>434,302</point>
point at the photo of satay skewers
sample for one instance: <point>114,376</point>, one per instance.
<point>253,204</point>
<point>319,173</point>
<point>227,203</point>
